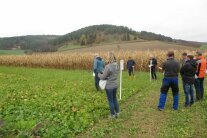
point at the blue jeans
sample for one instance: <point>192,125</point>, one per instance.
<point>166,84</point>
<point>199,88</point>
<point>189,94</point>
<point>112,100</point>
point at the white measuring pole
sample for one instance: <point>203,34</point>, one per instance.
<point>150,70</point>
<point>121,69</point>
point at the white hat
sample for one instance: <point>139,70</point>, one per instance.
<point>96,55</point>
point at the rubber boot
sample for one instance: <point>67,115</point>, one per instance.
<point>162,101</point>
<point>175,102</point>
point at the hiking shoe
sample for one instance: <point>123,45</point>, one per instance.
<point>191,103</point>
<point>186,106</point>
<point>159,109</point>
<point>112,116</point>
<point>117,115</point>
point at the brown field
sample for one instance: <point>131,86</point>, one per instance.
<point>83,61</point>
<point>83,58</point>
<point>133,46</point>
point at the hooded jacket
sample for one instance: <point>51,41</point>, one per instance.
<point>130,64</point>
<point>98,65</point>
<point>188,71</point>
<point>153,62</point>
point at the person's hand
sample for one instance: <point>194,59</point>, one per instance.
<point>160,68</point>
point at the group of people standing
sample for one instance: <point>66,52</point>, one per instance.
<point>192,71</point>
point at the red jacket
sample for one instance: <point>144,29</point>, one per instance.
<point>201,67</point>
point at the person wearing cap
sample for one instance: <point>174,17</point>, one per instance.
<point>98,67</point>
<point>171,69</point>
<point>130,66</point>
<point>153,65</point>
<point>188,72</point>
<point>200,75</point>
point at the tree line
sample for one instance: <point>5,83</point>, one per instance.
<point>38,43</point>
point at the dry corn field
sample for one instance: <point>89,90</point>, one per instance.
<point>83,61</point>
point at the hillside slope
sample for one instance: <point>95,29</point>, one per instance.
<point>131,46</point>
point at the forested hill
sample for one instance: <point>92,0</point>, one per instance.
<point>87,36</point>
<point>107,33</point>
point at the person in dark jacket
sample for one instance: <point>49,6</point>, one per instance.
<point>130,66</point>
<point>171,69</point>
<point>188,72</point>
<point>183,61</point>
<point>153,65</point>
<point>98,67</point>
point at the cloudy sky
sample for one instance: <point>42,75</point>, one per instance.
<point>184,19</point>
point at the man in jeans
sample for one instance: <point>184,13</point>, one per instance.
<point>200,75</point>
<point>171,69</point>
<point>188,72</point>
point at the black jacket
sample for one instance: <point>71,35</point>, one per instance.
<point>171,68</point>
<point>188,71</point>
<point>130,63</point>
<point>154,62</point>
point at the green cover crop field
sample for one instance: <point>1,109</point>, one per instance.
<point>11,52</point>
<point>61,103</point>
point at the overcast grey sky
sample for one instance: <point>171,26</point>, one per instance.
<point>184,19</point>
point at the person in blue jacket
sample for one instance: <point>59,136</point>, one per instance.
<point>171,68</point>
<point>98,67</point>
<point>130,66</point>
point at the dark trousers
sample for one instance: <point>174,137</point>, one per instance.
<point>153,73</point>
<point>97,79</point>
<point>189,94</point>
<point>131,71</point>
<point>199,88</point>
<point>166,84</point>
<point>112,100</point>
